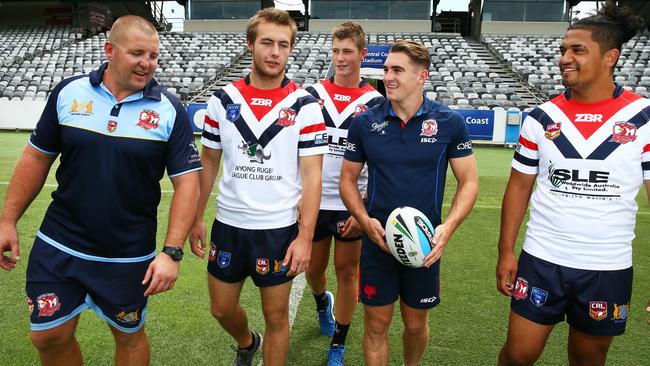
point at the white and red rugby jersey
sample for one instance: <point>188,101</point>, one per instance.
<point>262,134</point>
<point>340,106</point>
<point>590,161</point>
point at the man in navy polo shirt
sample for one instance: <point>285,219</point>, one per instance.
<point>116,131</point>
<point>407,142</point>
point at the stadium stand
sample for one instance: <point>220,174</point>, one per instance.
<point>535,61</point>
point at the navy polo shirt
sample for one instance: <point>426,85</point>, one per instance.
<point>112,157</point>
<point>407,162</point>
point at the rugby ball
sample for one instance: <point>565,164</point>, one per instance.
<point>409,235</point>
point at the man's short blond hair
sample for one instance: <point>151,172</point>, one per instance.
<point>127,23</point>
<point>271,15</point>
<point>350,30</point>
<point>415,51</point>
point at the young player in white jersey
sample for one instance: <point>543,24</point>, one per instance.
<point>272,137</point>
<point>342,97</point>
<point>588,150</point>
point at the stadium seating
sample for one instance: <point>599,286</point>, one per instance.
<point>535,61</point>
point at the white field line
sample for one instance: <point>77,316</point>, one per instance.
<point>488,207</point>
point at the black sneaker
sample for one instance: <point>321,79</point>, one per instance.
<point>245,357</point>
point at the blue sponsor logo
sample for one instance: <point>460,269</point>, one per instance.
<point>538,296</point>
<point>223,259</point>
<point>232,112</point>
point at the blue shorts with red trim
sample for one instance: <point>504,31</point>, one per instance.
<point>383,280</point>
<point>237,253</point>
<point>593,302</point>
<point>59,286</point>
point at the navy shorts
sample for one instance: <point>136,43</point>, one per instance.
<point>238,253</point>
<point>593,302</point>
<point>59,286</point>
<point>383,279</point>
<point>330,223</point>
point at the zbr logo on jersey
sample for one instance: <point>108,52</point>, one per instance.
<point>624,132</point>
<point>149,119</point>
<point>521,289</point>
<point>342,98</point>
<point>598,310</point>
<point>429,128</point>
<point>553,130</point>
<point>287,117</point>
<point>261,102</point>
<point>360,108</point>
<point>48,304</point>
<point>232,112</point>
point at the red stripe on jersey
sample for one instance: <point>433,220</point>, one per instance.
<point>589,117</point>
<point>527,143</point>
<point>313,128</point>
<point>210,122</point>
<point>646,148</point>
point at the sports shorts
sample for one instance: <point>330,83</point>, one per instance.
<point>593,302</point>
<point>383,280</point>
<point>238,253</point>
<point>59,286</point>
<point>331,222</point>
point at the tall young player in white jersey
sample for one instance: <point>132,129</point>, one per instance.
<point>342,97</point>
<point>588,150</point>
<point>272,136</point>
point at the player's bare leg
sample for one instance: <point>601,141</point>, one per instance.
<point>515,352</point>
<point>58,346</point>
<point>587,350</point>
<point>275,305</point>
<point>131,348</point>
<point>224,305</point>
<point>376,321</point>
<point>415,335</point>
<point>315,274</point>
<point>346,263</point>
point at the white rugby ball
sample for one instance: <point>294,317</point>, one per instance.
<point>409,235</point>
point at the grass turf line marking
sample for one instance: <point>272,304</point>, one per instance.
<point>490,207</point>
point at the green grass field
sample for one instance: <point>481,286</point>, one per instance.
<point>467,328</point>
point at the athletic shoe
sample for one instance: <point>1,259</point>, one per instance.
<point>335,356</point>
<point>245,357</point>
<point>326,317</point>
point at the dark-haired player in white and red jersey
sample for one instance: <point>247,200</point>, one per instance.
<point>588,150</point>
<point>342,97</point>
<point>272,136</point>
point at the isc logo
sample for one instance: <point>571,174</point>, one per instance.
<point>261,102</point>
<point>586,117</point>
<point>342,98</point>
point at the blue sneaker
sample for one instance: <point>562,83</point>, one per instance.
<point>335,356</point>
<point>326,318</point>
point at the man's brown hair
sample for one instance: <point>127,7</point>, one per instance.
<point>415,51</point>
<point>350,30</point>
<point>271,15</point>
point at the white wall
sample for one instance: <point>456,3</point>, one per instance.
<point>528,28</point>
<point>215,25</point>
<point>373,25</point>
<point>20,114</point>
